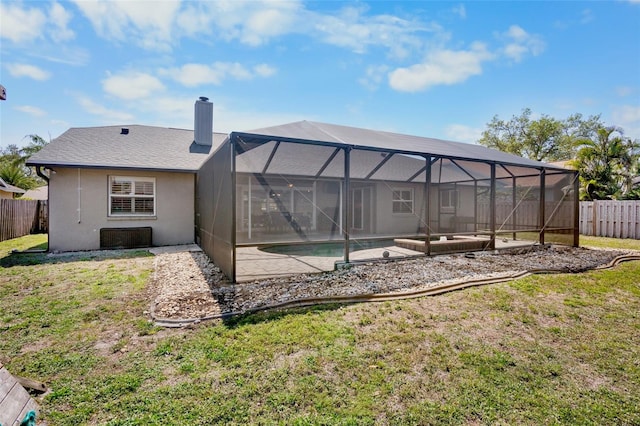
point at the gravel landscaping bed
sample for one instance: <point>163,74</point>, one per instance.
<point>189,285</point>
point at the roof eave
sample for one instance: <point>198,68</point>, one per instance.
<point>51,165</point>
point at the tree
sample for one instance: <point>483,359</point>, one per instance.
<point>12,163</point>
<point>544,139</point>
<point>15,175</point>
<point>607,165</point>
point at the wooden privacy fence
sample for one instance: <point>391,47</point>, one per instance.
<point>617,219</point>
<point>527,215</point>
<point>22,217</point>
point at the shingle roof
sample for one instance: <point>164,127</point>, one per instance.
<point>367,138</point>
<point>40,193</point>
<point>144,147</point>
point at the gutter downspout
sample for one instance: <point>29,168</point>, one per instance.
<point>44,177</point>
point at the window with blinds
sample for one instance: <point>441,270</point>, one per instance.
<point>132,196</point>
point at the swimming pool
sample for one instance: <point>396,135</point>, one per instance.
<point>334,249</point>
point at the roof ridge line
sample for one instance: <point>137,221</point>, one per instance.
<point>327,133</point>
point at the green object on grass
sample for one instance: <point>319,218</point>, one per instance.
<point>29,419</point>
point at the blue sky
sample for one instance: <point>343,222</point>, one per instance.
<point>437,69</point>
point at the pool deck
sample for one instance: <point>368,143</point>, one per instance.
<point>254,264</point>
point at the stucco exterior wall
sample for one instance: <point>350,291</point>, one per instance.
<point>387,222</point>
<point>6,195</point>
<point>78,208</point>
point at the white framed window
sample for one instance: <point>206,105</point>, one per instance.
<point>449,199</point>
<point>132,196</point>
<point>402,202</point>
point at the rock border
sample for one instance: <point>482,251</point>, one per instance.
<point>370,296</point>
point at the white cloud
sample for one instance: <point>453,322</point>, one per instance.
<point>519,43</point>
<point>624,91</point>
<point>148,24</point>
<point>160,25</point>
<point>271,22</point>
<point>627,117</point>
<point>374,76</point>
<point>627,113</point>
<point>441,67</point>
<point>21,25</point>
<point>353,29</point>
<point>586,16</point>
<point>460,10</point>
<point>264,70</point>
<point>253,23</point>
<point>108,115</point>
<point>59,19</point>
<point>31,110</point>
<point>132,85</point>
<point>31,71</point>
<point>463,133</point>
<point>192,75</point>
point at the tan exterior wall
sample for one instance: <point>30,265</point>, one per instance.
<point>6,195</point>
<point>391,223</point>
<point>78,208</point>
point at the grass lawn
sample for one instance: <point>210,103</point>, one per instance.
<point>549,349</point>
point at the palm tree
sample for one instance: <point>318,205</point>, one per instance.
<point>15,175</point>
<point>12,163</point>
<point>606,164</point>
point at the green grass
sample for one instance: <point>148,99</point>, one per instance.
<point>603,242</point>
<point>549,349</point>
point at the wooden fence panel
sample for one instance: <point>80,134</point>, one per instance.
<point>22,217</point>
<point>610,218</point>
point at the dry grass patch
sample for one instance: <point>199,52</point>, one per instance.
<point>552,349</point>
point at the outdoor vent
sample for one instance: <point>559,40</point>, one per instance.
<point>124,131</point>
<point>124,238</point>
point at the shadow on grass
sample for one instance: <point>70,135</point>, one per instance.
<point>267,316</point>
<point>24,258</point>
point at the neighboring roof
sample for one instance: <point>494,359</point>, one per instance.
<point>4,186</point>
<point>636,181</point>
<point>41,193</point>
<point>143,147</point>
<point>366,138</point>
<point>566,164</point>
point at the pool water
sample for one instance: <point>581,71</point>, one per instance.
<point>325,249</point>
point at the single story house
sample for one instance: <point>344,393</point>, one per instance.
<point>9,191</point>
<point>303,183</point>
<point>116,186</point>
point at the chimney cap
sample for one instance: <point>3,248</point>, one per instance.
<point>204,98</point>
<point>124,131</point>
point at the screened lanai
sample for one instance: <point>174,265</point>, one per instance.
<point>346,194</point>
